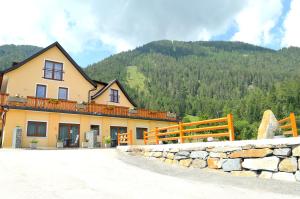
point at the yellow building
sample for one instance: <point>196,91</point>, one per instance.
<point>51,99</point>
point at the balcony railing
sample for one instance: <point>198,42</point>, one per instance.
<point>73,106</point>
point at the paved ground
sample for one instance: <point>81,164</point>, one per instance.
<point>44,174</point>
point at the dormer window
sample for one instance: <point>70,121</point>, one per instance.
<point>114,96</point>
<point>53,70</point>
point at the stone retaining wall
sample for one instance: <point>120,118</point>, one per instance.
<point>272,159</point>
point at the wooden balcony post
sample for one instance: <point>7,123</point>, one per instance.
<point>130,137</point>
<point>294,124</point>
<point>145,141</point>
<point>230,127</point>
<point>156,135</point>
<point>181,134</point>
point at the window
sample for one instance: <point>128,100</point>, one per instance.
<point>96,128</point>
<point>53,70</point>
<point>40,91</point>
<point>140,133</point>
<point>36,129</point>
<point>62,93</point>
<point>114,95</point>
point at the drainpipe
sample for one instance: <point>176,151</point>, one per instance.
<point>3,118</point>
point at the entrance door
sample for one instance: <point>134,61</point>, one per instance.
<point>114,130</point>
<point>69,134</point>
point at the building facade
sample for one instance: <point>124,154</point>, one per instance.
<point>51,99</point>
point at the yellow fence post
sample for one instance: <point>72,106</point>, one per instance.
<point>156,135</point>
<point>230,127</point>
<point>180,128</point>
<point>293,124</point>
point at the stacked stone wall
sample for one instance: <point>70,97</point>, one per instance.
<point>272,159</point>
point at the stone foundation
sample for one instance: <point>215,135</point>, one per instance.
<point>271,158</point>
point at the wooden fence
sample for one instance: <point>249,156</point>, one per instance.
<point>125,138</point>
<point>192,130</point>
<point>289,125</point>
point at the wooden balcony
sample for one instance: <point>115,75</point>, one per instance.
<point>68,106</point>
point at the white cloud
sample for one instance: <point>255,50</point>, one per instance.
<point>291,36</point>
<point>256,21</point>
<point>125,24</point>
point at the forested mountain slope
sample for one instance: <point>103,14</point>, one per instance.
<point>15,53</point>
<point>209,79</point>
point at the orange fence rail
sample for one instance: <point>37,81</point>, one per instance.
<point>192,130</point>
<point>289,125</point>
<point>125,138</point>
<point>73,106</point>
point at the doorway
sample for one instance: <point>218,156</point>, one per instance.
<point>69,134</point>
<point>114,130</point>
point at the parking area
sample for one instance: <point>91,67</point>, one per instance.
<point>104,173</point>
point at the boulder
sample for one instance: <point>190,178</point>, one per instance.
<point>175,161</point>
<point>296,151</point>
<point>232,164</point>
<point>248,146</point>
<point>224,149</point>
<point>156,149</point>
<point>183,153</point>
<point>170,156</point>
<point>282,152</point>
<point>194,148</point>
<point>284,176</point>
<point>169,161</point>
<point>251,153</point>
<point>297,176</point>
<point>174,150</point>
<point>217,155</point>
<point>267,163</point>
<point>147,154</point>
<point>266,175</point>
<point>179,157</point>
<point>199,154</point>
<point>199,163</point>
<point>268,125</point>
<point>165,153</point>
<point>214,163</point>
<point>157,154</point>
<point>185,162</point>
<point>244,173</point>
<point>288,165</point>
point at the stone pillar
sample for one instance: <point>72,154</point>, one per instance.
<point>268,126</point>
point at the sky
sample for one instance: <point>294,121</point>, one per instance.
<point>91,30</point>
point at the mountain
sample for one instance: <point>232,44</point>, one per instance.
<point>200,80</point>
<point>209,79</point>
<point>15,53</point>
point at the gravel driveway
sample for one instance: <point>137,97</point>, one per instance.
<point>104,173</point>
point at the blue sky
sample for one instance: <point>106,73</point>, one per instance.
<point>92,30</point>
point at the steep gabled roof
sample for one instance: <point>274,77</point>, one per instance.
<point>17,65</point>
<point>101,91</point>
<point>100,82</point>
